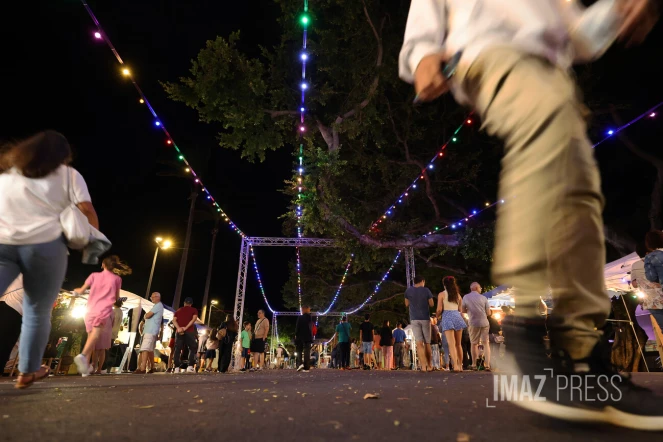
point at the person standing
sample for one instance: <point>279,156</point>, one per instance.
<point>246,346</point>
<point>260,333</point>
<point>104,292</point>
<point>449,304</point>
<point>477,308</point>
<point>387,344</point>
<point>366,337</point>
<point>377,350</point>
<point>304,339</point>
<point>399,346</point>
<point>202,351</point>
<point>11,316</point>
<point>653,300</point>
<point>653,266</point>
<point>151,333</point>
<point>513,69</point>
<point>117,320</point>
<point>420,299</point>
<point>227,342</point>
<point>343,333</point>
<point>435,342</point>
<point>36,186</point>
<point>184,321</point>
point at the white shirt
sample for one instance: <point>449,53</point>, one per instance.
<point>448,305</point>
<point>559,30</point>
<point>14,295</point>
<point>30,207</point>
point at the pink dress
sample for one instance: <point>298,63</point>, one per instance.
<point>103,289</point>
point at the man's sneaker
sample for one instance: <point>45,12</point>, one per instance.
<point>300,368</point>
<point>82,365</point>
<point>176,370</point>
<point>304,371</point>
<point>190,369</point>
<point>588,390</point>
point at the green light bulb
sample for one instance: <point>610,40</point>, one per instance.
<point>181,157</point>
<point>304,19</point>
<point>454,139</point>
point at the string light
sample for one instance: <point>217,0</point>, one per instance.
<point>338,291</point>
<point>97,35</point>
<point>422,175</point>
<point>259,279</point>
<point>158,123</point>
<point>377,287</point>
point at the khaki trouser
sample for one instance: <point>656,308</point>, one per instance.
<point>549,230</point>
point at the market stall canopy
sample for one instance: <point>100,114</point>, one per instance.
<point>617,273</point>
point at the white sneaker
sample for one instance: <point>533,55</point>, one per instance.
<point>82,365</point>
<point>305,371</point>
<point>190,369</point>
<point>301,367</point>
<point>176,370</point>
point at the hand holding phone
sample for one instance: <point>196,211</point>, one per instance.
<point>431,79</point>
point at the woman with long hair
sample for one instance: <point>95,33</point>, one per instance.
<point>104,292</point>
<point>449,303</point>
<point>227,342</point>
<point>36,186</point>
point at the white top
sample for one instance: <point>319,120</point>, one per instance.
<point>447,304</point>
<point>562,31</point>
<point>30,207</point>
<point>153,324</point>
<point>14,295</point>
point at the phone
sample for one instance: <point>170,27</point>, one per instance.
<point>449,68</point>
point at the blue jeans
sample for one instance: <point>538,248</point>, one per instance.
<point>435,349</point>
<point>43,267</point>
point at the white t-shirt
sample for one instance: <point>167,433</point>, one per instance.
<point>447,304</point>
<point>14,295</point>
<point>30,207</point>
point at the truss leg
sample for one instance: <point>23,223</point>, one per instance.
<point>409,266</point>
<point>238,311</point>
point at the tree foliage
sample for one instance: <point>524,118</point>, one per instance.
<point>364,143</point>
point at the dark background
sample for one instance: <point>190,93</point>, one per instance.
<point>55,74</point>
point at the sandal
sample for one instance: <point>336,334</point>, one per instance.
<point>26,379</point>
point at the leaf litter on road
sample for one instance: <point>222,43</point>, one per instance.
<point>371,396</point>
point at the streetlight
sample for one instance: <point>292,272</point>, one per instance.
<point>213,303</point>
<point>161,244</point>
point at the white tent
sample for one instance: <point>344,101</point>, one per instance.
<point>617,273</point>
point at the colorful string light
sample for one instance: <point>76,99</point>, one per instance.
<point>421,176</point>
<point>340,287</point>
<point>101,35</point>
<point>612,132</point>
<point>259,279</point>
<point>377,286</point>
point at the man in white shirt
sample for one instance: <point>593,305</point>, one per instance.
<point>151,331</point>
<point>477,308</point>
<point>513,70</point>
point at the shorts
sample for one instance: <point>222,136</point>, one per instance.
<point>210,354</point>
<point>258,346</point>
<point>246,352</point>
<point>478,333</point>
<point>421,330</point>
<point>367,347</point>
<point>106,325</point>
<point>148,343</point>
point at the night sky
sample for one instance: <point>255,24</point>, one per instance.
<point>56,75</point>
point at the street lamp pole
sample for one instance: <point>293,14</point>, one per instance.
<point>161,244</point>
<point>211,306</point>
<point>149,283</point>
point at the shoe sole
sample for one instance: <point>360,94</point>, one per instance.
<point>608,415</point>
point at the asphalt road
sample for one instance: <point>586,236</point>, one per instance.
<point>283,405</point>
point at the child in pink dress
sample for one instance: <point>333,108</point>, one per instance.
<point>104,291</point>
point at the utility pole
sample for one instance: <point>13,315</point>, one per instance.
<point>187,240</point>
<point>209,270</point>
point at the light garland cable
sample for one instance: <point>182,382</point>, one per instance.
<point>101,35</point>
<point>303,56</point>
<point>338,291</point>
<point>262,289</point>
<point>610,133</point>
<point>377,286</point>
<point>431,165</point>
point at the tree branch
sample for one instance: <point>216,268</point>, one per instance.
<point>275,114</point>
<point>428,260</point>
<point>373,87</point>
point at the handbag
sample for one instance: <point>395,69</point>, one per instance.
<point>75,225</point>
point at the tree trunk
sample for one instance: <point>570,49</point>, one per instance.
<point>187,240</point>
<point>209,270</point>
